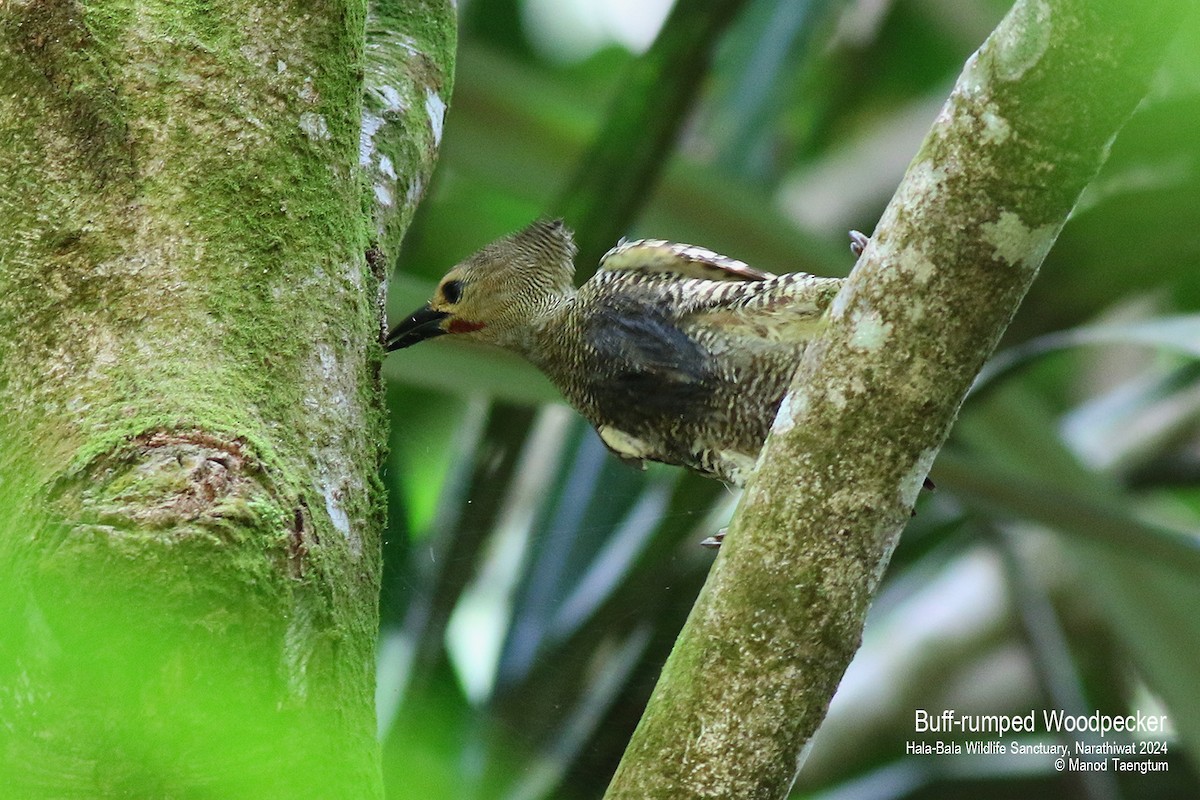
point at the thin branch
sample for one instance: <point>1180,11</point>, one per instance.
<point>1025,129</point>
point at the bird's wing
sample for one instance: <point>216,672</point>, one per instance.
<point>704,291</point>
<point>657,257</point>
<point>646,361</point>
<point>784,309</point>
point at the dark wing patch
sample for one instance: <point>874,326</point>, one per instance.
<point>646,366</point>
<point>658,257</point>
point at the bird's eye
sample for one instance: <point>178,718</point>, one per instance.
<point>452,291</point>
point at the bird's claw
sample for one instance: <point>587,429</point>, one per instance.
<point>858,242</point>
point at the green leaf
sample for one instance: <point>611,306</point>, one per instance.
<point>1180,334</point>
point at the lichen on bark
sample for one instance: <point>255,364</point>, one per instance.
<point>781,615</point>
<point>190,363</point>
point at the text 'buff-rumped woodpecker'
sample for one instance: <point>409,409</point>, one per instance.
<point>674,353</point>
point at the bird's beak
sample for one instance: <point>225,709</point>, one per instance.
<point>424,323</point>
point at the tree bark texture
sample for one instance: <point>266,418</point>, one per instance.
<point>197,204</point>
<point>1027,126</point>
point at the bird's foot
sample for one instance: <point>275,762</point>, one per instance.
<point>858,242</point>
<point>928,486</point>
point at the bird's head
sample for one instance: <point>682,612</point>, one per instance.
<point>497,295</point>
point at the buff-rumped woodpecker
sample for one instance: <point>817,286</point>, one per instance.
<point>674,353</point>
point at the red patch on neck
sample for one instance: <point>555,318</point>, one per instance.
<point>463,326</point>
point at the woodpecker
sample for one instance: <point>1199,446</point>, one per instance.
<point>672,352</point>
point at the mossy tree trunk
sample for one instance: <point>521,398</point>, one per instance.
<point>1026,128</point>
<point>197,204</point>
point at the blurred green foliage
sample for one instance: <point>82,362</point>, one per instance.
<point>115,687</point>
<point>533,585</point>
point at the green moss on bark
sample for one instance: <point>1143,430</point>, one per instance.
<point>194,387</point>
<point>757,663</point>
<point>409,78</point>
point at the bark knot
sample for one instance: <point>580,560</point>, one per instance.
<point>165,479</point>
